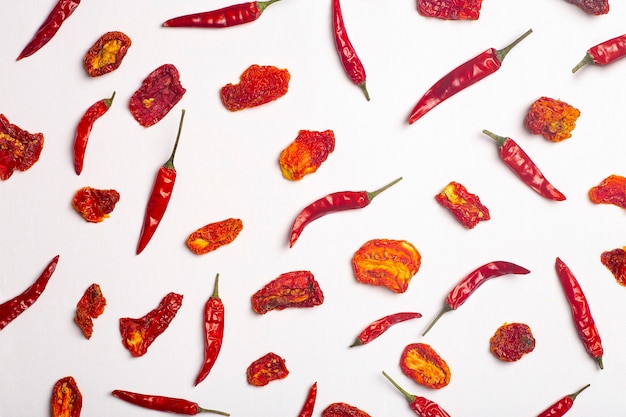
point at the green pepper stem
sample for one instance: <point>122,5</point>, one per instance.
<point>364,88</point>
<point>586,60</point>
<point>410,397</point>
<point>169,164</point>
<point>599,360</point>
<point>497,138</point>
<point>574,395</point>
<point>501,53</point>
<point>372,194</point>
<point>262,5</point>
<point>208,410</point>
<point>109,101</point>
<point>215,291</point>
<point>444,310</point>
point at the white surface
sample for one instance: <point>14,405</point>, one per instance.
<point>227,167</point>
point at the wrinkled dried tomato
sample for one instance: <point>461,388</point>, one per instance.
<point>594,7</point>
<point>612,190</point>
<point>213,235</point>
<point>95,205</point>
<point>90,306</point>
<point>257,85</point>
<point>553,119</point>
<point>615,261</point>
<point>511,341</point>
<point>266,369</point>
<point>159,92</point>
<point>67,400</point>
<point>297,289</point>
<point>450,9</point>
<point>343,410</point>
<point>422,364</point>
<point>106,54</point>
<point>306,153</point>
<point>463,205</point>
<point>19,150</point>
<point>387,263</point>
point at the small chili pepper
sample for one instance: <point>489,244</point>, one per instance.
<point>213,331</point>
<point>306,153</point>
<point>90,306</point>
<point>161,403</point>
<point>612,190</point>
<point>106,54</point>
<point>350,61</point>
<point>297,289</point>
<point>422,364</point>
<point>593,7</point>
<point>214,235</point>
<point>234,15</point>
<point>9,310</point>
<point>160,195</point>
<point>511,341</point>
<point>604,53</point>
<point>266,369</point>
<point>95,205</point>
<point>19,149</point>
<point>423,407</point>
<point>615,261</point>
<point>258,85</point>
<point>563,405</point>
<point>309,403</point>
<point>159,92</point>
<point>581,314</point>
<point>450,9</point>
<point>551,118</point>
<point>462,77</point>
<point>339,201</point>
<point>380,326</point>
<point>463,205</point>
<point>67,400</point>
<point>83,130</point>
<point>59,13</point>
<point>466,287</point>
<point>521,164</point>
<point>343,410</point>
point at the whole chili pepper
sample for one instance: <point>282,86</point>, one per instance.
<point>309,403</point>
<point>12,308</point>
<point>61,11</point>
<point>160,196</point>
<point>563,405</point>
<point>237,14</point>
<point>213,331</point>
<point>83,130</point>
<point>380,326</point>
<point>462,77</point>
<point>161,403</point>
<point>350,61</point>
<point>516,159</point>
<point>67,400</point>
<point>339,201</point>
<point>466,287</point>
<point>604,53</point>
<point>583,320</point>
<point>423,407</point>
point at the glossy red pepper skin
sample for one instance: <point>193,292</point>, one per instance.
<point>380,326</point>
<point>161,403</point>
<point>236,14</point>
<point>214,314</point>
<point>309,403</point>
<point>604,53</point>
<point>423,407</point>
<point>83,130</point>
<point>462,77</point>
<point>562,406</point>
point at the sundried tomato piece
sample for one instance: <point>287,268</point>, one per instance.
<point>67,400</point>
<point>258,84</point>
<point>594,7</point>
<point>106,54</point>
<point>214,235</point>
<point>90,306</point>
<point>306,153</point>
<point>159,92</point>
<point>463,205</point>
<point>450,9</point>
<point>386,262</point>
<point>612,190</point>
<point>343,410</point>
<point>19,149</point>
<point>551,118</point>
<point>511,341</point>
<point>422,363</point>
<point>95,205</point>
<point>266,369</point>
<point>615,261</point>
<point>297,289</point>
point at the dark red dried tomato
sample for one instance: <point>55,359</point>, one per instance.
<point>95,205</point>
<point>450,9</point>
<point>160,91</point>
<point>343,410</point>
<point>266,369</point>
<point>464,206</point>
<point>594,7</point>
<point>90,306</point>
<point>612,190</point>
<point>257,85</point>
<point>106,54</point>
<point>512,341</point>
<point>295,289</point>
<point>19,150</point>
<point>615,261</point>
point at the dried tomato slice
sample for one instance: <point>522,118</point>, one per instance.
<point>551,118</point>
<point>612,190</point>
<point>258,84</point>
<point>67,400</point>
<point>95,205</point>
<point>450,9</point>
<point>106,54</point>
<point>422,364</point>
<point>90,306</point>
<point>464,206</point>
<point>594,7</point>
<point>512,341</point>
<point>343,410</point>
<point>159,92</point>
<point>297,289</point>
<point>266,369</point>
<point>19,150</point>
<point>306,153</point>
<point>214,235</point>
<point>615,261</point>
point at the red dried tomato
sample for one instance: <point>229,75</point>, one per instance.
<point>214,235</point>
<point>19,150</point>
<point>594,7</point>
<point>67,400</point>
<point>297,289</point>
<point>306,153</point>
<point>422,364</point>
<point>343,410</point>
<point>106,54</point>
<point>615,261</point>
<point>554,119</point>
<point>450,9</point>
<point>266,369</point>
<point>512,341</point>
<point>257,85</point>
<point>159,92</point>
<point>95,205</point>
<point>464,206</point>
<point>612,190</point>
<point>90,306</point>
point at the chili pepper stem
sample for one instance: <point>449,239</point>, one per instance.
<point>372,194</point>
<point>208,410</point>
<point>215,290</point>
<point>586,60</point>
<point>109,101</point>
<point>410,397</point>
<point>599,360</point>
<point>169,164</point>
<point>444,310</point>
<point>501,53</point>
<point>497,138</point>
<point>262,5</point>
<point>575,394</point>
<point>364,88</point>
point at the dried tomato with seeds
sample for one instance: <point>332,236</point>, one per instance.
<point>90,306</point>
<point>67,400</point>
<point>106,54</point>
<point>306,153</point>
<point>95,205</point>
<point>159,92</point>
<point>422,363</point>
<point>463,205</point>
<point>553,119</point>
<point>511,341</point>
<point>450,9</point>
<point>594,7</point>
<point>343,410</point>
<point>612,190</point>
<point>19,149</point>
<point>214,235</point>
<point>258,84</point>
<point>297,289</point>
<point>615,261</point>
<point>266,369</point>
<point>386,262</point>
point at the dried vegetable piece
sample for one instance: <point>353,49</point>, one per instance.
<point>593,7</point>
<point>67,400</point>
<point>106,54</point>
<point>90,306</point>
<point>386,262</point>
<point>423,407</point>
<point>604,53</point>
<point>258,85</point>
<point>161,403</point>
<point>380,326</point>
<point>343,410</point>
<point>236,14</point>
<point>214,314</point>
<point>612,190</point>
<point>306,153</point>
<point>511,341</point>
<point>267,368</point>
<point>615,261</point>
<point>19,149</point>
<point>297,289</point>
<point>309,403</point>
<point>83,130</point>
<point>159,92</point>
<point>551,118</point>
<point>463,205</point>
<point>95,205</point>
<point>450,9</point>
<point>422,364</point>
<point>214,235</point>
<point>563,405</point>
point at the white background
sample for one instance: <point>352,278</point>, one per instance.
<point>227,167</point>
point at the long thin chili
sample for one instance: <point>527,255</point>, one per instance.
<point>83,130</point>
<point>380,326</point>
<point>423,407</point>
<point>563,405</point>
<point>309,403</point>
<point>604,53</point>
<point>462,77</point>
<point>161,403</point>
<point>213,331</point>
<point>237,14</point>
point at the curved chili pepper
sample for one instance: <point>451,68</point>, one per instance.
<point>466,287</point>
<point>61,11</point>
<point>213,331</point>
<point>583,320</point>
<point>12,308</point>
<point>309,403</point>
<point>350,61</point>
<point>339,201</point>
<point>516,159</point>
<point>563,405</point>
<point>604,53</point>
<point>236,14</point>
<point>423,407</point>
<point>161,403</point>
<point>83,130</point>
<point>462,77</point>
<point>160,196</point>
<point>380,326</point>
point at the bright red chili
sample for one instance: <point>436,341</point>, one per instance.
<point>339,201</point>
<point>12,308</point>
<point>583,320</point>
<point>380,326</point>
<point>236,14</point>
<point>466,287</point>
<point>520,163</point>
<point>604,53</point>
<point>462,77</point>
<point>161,403</point>
<point>213,331</point>
<point>160,196</point>
<point>309,403</point>
<point>563,405</point>
<point>423,407</point>
<point>83,130</point>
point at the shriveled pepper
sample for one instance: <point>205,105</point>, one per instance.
<point>90,306</point>
<point>67,400</point>
<point>615,261</point>
<point>612,190</point>
<point>94,204</point>
<point>306,153</point>
<point>269,367</point>
<point>83,130</point>
<point>553,119</point>
<point>450,9</point>
<point>19,149</point>
<point>463,205</point>
<point>422,363</point>
<point>214,235</point>
<point>380,326</point>
<point>297,289</point>
<point>258,85</point>
<point>511,341</point>
<point>423,407</point>
<point>107,53</point>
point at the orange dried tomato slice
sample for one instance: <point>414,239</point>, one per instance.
<point>306,153</point>
<point>422,364</point>
<point>615,261</point>
<point>258,84</point>
<point>553,119</point>
<point>612,190</point>
<point>106,54</point>
<point>214,235</point>
<point>95,205</point>
<point>19,149</point>
<point>67,400</point>
<point>266,369</point>
<point>463,205</point>
<point>512,341</point>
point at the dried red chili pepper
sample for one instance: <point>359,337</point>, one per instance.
<point>258,85</point>
<point>159,92</point>
<point>604,53</point>
<point>563,405</point>
<point>380,326</point>
<point>594,7</point>
<point>350,61</point>
<point>306,153</point>
<point>615,261</point>
<point>297,289</point>
<point>463,205</point>
<point>106,54</point>
<point>67,400</point>
<point>309,403</point>
<point>521,164</point>
<point>10,309</point>
<point>59,13</point>
<point>551,118</point>
<point>90,306</point>
<point>83,130</point>
<point>343,410</point>
<point>269,367</point>
<point>214,235</point>
<point>160,195</point>
<point>581,314</point>
<point>422,364</point>
<point>214,313</point>
<point>511,341</point>
<point>19,149</point>
<point>139,334</point>
<point>237,14</point>
<point>339,201</point>
<point>423,407</point>
<point>466,287</point>
<point>162,403</point>
<point>612,190</point>
<point>95,205</point>
<point>450,9</point>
